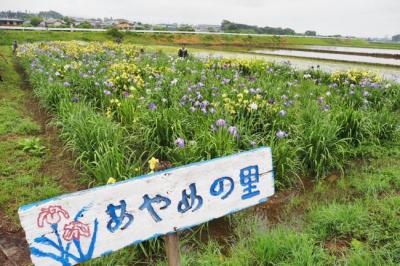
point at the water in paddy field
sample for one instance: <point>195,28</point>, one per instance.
<point>356,50</point>
<point>389,72</point>
<point>333,56</point>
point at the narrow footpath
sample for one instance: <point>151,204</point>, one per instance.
<point>33,162</point>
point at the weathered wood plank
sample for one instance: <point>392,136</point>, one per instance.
<point>172,249</point>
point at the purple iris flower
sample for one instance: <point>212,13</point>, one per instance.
<point>180,142</point>
<point>67,84</point>
<point>288,103</point>
<point>204,104</point>
<point>233,131</point>
<point>375,85</point>
<point>220,123</point>
<point>282,113</point>
<point>108,84</point>
<point>326,108</point>
<point>107,92</point>
<point>225,81</point>
<point>282,134</point>
<point>152,106</point>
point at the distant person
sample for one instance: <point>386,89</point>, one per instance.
<point>183,52</point>
<point>14,46</point>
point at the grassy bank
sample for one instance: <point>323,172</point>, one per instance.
<point>221,41</point>
<point>22,150</point>
<point>33,165</point>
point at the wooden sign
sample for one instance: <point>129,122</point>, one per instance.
<point>77,227</point>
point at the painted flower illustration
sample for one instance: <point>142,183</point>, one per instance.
<point>75,229</point>
<point>57,245</point>
<point>51,215</point>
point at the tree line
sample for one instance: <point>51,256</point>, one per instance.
<point>228,26</point>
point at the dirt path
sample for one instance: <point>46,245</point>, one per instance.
<point>58,163</point>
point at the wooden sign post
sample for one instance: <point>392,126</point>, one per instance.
<point>172,249</point>
<point>80,226</point>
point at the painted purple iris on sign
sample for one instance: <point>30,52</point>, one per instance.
<point>77,227</point>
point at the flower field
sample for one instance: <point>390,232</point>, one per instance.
<point>124,112</point>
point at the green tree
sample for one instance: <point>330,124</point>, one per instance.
<point>185,28</point>
<point>159,28</point>
<point>396,38</point>
<point>85,25</point>
<point>35,21</point>
<point>228,26</point>
<point>68,20</point>
<point>115,33</point>
<point>310,33</point>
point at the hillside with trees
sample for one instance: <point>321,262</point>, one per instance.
<point>27,15</point>
<point>228,26</point>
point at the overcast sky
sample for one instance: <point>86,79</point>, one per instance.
<point>362,18</point>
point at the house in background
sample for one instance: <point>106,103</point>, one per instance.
<point>207,28</point>
<point>11,22</point>
<point>52,23</point>
<point>124,25</point>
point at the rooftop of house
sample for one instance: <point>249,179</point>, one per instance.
<point>11,19</point>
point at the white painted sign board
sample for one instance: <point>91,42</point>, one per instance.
<point>76,227</point>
